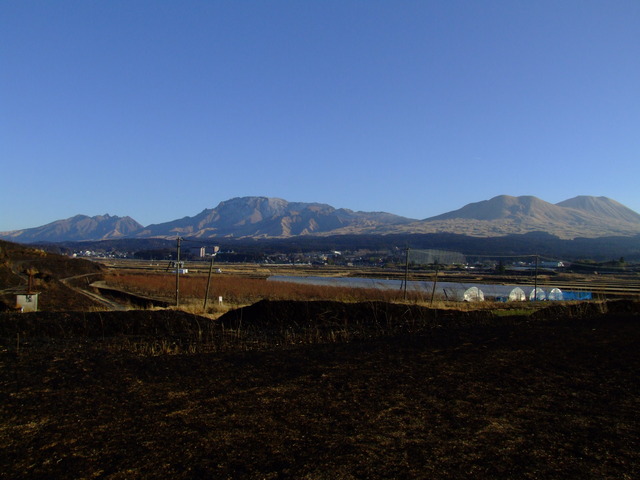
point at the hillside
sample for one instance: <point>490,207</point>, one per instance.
<point>48,270</point>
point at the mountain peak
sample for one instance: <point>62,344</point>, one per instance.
<point>601,206</point>
<point>500,207</point>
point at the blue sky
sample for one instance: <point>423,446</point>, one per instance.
<point>160,109</point>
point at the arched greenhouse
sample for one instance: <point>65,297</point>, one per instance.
<point>537,294</point>
<point>555,294</point>
<point>517,295</point>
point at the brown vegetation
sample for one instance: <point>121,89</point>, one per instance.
<point>242,290</point>
<point>238,290</point>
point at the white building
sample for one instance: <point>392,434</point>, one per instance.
<point>27,302</point>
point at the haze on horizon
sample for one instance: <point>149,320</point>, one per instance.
<point>159,110</point>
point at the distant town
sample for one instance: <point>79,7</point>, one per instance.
<point>356,258</point>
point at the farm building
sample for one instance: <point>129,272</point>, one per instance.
<point>27,302</point>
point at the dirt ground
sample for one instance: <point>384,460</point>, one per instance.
<point>132,395</point>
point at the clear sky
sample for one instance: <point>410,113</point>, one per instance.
<point>160,109</point>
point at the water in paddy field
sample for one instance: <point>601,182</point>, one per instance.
<point>450,290</point>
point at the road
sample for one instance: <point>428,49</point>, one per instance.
<point>110,304</point>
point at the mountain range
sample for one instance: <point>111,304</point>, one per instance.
<point>263,217</point>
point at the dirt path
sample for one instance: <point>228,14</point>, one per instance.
<point>110,304</point>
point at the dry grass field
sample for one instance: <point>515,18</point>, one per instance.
<point>237,290</point>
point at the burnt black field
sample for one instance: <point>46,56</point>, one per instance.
<point>401,395</point>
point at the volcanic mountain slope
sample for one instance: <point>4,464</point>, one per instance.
<point>263,217</point>
<point>602,207</point>
<point>507,207</point>
<point>582,216</point>
<point>77,228</point>
<point>270,217</point>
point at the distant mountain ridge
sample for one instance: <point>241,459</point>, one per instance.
<point>264,217</point>
<point>582,216</point>
<point>269,217</point>
<point>77,228</point>
<point>577,209</point>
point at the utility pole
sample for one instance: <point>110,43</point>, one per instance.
<point>435,281</point>
<point>206,294</point>
<point>535,281</point>
<point>406,273</point>
<point>178,273</point>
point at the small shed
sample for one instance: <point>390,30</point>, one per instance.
<point>27,302</point>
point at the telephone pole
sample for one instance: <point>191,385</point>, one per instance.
<point>178,273</point>
<point>206,293</point>
<point>435,281</point>
<point>535,281</point>
<point>406,272</point>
